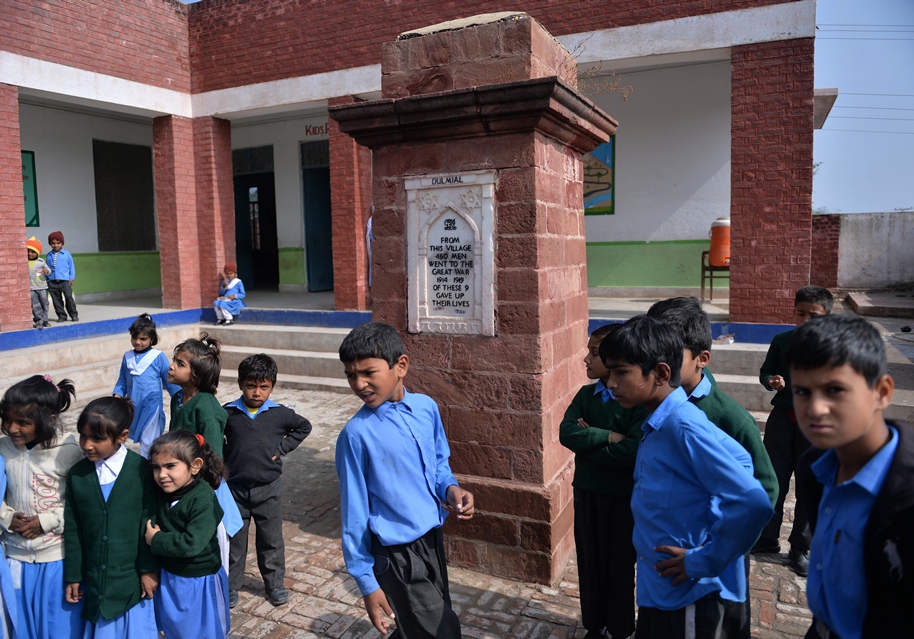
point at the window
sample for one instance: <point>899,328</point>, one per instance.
<point>124,196</point>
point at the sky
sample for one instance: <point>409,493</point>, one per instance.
<point>865,151</point>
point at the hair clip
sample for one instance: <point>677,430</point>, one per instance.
<point>48,379</point>
<point>200,440</point>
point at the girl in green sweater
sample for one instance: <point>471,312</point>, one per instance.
<point>193,589</point>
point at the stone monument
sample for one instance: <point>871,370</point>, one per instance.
<point>479,260</point>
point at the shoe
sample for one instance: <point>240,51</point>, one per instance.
<point>799,561</point>
<point>61,319</point>
<point>38,326</point>
<point>75,318</point>
<point>45,324</point>
<point>228,322</point>
<point>219,322</point>
<point>279,596</point>
<point>233,598</point>
<point>766,546</point>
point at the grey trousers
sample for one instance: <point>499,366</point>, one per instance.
<point>785,442</point>
<point>264,505</point>
<point>39,305</point>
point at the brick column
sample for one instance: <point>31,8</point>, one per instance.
<point>176,211</point>
<point>771,177</point>
<point>215,201</point>
<point>496,104</point>
<point>15,303</point>
<point>826,235</point>
<point>350,206</point>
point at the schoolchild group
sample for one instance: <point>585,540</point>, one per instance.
<point>103,542</point>
<point>673,481</point>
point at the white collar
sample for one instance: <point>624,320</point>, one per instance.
<point>108,469</point>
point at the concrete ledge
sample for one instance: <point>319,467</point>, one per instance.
<point>743,333</point>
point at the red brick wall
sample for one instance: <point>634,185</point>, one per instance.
<point>15,304</point>
<point>350,206</point>
<point>141,40</point>
<point>240,42</point>
<point>826,232</point>
<point>176,210</point>
<point>215,201</point>
<point>771,177</point>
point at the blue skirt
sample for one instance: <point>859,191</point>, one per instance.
<point>137,623</point>
<point>193,606</point>
<point>43,610</point>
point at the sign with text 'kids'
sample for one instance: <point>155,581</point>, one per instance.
<point>450,244</point>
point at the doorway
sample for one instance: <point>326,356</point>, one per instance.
<point>315,163</point>
<point>256,241</point>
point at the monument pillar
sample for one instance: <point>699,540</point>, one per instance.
<point>479,260</point>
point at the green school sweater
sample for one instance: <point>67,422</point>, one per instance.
<point>776,364</point>
<point>602,467</point>
<point>202,415</point>
<point>187,544</point>
<point>103,541</point>
<point>723,411</point>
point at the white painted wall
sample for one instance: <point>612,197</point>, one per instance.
<point>62,142</point>
<point>286,137</point>
<point>672,154</point>
<point>874,249</point>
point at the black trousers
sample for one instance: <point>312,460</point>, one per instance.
<point>62,295</point>
<point>707,618</point>
<point>785,443</point>
<point>606,561</point>
<point>264,505</point>
<point>414,578</point>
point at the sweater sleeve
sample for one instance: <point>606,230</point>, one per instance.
<point>52,520</point>
<point>145,560</point>
<point>197,523</point>
<point>770,366</point>
<point>73,551</point>
<point>575,437</point>
<point>622,454</point>
<point>298,428</point>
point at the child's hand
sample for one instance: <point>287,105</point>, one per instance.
<point>582,423</point>
<point>149,582</point>
<point>776,383</point>
<point>615,438</point>
<point>673,567</point>
<point>460,501</point>
<point>375,604</point>
<point>74,593</point>
<point>151,531</point>
<point>71,282</point>
<point>28,527</point>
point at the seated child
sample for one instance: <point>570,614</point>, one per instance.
<point>696,505</point>
<point>396,488</point>
<point>258,434</point>
<point>604,437</point>
<point>783,439</point>
<point>231,296</point>
<point>861,582</point>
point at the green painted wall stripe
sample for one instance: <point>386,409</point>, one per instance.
<point>646,264</point>
<point>103,272</point>
<point>292,266</point>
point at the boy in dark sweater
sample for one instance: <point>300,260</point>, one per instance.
<point>783,439</point>
<point>604,438</point>
<point>258,433</point>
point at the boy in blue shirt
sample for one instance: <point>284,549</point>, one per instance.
<point>783,439</point>
<point>861,578</point>
<point>696,505</point>
<point>396,488</point>
<point>61,278</point>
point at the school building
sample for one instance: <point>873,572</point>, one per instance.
<point>165,139</point>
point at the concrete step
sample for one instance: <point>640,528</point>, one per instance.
<point>229,379</point>
<point>289,338</point>
<point>738,359</point>
<point>746,390</point>
<point>289,362</point>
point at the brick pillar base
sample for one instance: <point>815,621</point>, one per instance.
<point>826,235</point>
<point>15,303</point>
<point>350,206</point>
<point>770,202</point>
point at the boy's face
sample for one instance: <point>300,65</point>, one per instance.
<point>230,275</point>
<point>56,245</point>
<point>595,368</point>
<point>804,311</point>
<point>836,408</point>
<point>630,386</point>
<point>33,255</point>
<point>255,391</point>
<point>375,382</point>
<point>692,368</point>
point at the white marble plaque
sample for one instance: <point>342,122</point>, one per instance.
<point>451,249</point>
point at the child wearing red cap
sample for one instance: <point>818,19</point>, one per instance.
<point>38,283</point>
<point>60,281</point>
<point>231,296</point>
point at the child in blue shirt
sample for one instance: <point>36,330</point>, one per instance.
<point>60,281</point>
<point>861,578</point>
<point>696,505</point>
<point>396,489</point>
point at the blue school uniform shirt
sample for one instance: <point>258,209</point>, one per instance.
<point>693,489</point>
<point>240,405</point>
<point>394,473</point>
<point>601,390</point>
<point>61,265</point>
<point>836,586</point>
